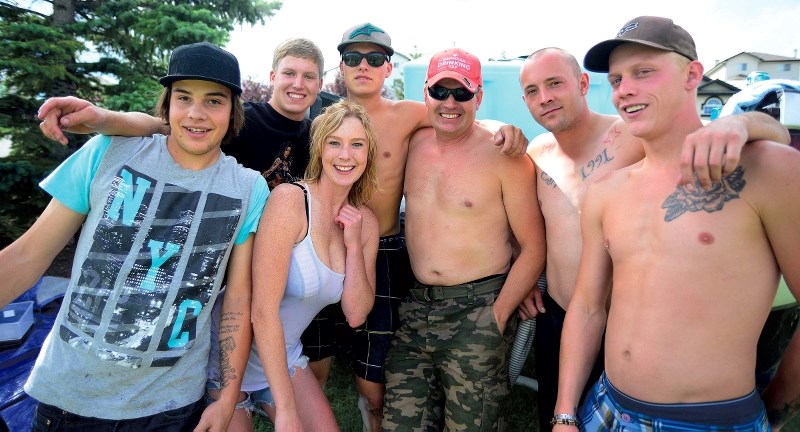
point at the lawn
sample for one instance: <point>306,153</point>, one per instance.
<point>519,410</point>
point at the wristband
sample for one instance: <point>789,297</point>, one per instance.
<point>564,419</point>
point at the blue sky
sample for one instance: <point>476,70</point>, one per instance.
<point>510,28</point>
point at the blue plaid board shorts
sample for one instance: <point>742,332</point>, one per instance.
<point>608,409</point>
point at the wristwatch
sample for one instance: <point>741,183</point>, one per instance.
<point>564,419</point>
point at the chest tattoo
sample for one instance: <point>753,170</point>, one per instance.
<point>683,200</point>
<point>598,160</point>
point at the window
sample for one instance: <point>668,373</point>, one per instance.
<point>787,67</point>
<point>742,67</point>
<point>711,103</point>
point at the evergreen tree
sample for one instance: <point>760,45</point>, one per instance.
<point>109,52</point>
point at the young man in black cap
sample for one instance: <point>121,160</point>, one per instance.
<point>162,217</point>
<point>694,270</point>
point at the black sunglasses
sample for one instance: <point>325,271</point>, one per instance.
<point>442,93</point>
<point>374,59</point>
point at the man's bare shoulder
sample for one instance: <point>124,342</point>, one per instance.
<point>398,117</point>
<point>409,104</point>
<point>541,145</point>
<point>771,160</point>
<point>409,108</point>
<point>422,135</point>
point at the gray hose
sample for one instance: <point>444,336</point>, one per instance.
<point>522,344</point>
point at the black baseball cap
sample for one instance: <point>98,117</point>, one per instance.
<point>366,33</point>
<point>203,61</point>
<point>655,32</point>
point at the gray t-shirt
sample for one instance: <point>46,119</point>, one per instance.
<point>132,336</point>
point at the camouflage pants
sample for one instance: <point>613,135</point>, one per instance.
<point>448,366</point>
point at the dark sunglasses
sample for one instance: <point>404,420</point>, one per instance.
<point>374,59</point>
<point>442,93</point>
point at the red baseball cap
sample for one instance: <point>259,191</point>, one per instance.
<point>457,64</point>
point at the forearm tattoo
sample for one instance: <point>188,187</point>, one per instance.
<point>229,325</point>
<point>683,200</point>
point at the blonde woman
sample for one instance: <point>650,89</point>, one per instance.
<point>317,245</point>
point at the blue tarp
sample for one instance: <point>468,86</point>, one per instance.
<point>16,362</point>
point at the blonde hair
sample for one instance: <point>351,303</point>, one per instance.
<point>323,126</point>
<point>300,48</point>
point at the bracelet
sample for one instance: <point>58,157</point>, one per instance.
<point>564,419</point>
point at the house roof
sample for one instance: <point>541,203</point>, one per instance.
<point>772,57</point>
<point>764,57</point>
<point>716,87</point>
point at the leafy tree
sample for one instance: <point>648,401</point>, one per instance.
<point>336,87</point>
<point>109,52</point>
<point>254,91</point>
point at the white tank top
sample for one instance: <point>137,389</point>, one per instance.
<point>311,285</point>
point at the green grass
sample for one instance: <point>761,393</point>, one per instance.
<point>519,410</point>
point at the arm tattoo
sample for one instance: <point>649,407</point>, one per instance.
<point>683,200</point>
<point>227,372</point>
<point>549,181</point>
<point>611,138</point>
<point>228,327</point>
<point>598,160</point>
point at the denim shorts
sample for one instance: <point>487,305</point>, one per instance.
<point>254,399</point>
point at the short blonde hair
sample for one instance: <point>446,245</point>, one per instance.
<point>323,126</point>
<point>300,48</point>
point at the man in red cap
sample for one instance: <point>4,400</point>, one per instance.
<point>365,64</point>
<point>450,354</point>
<point>694,270</point>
